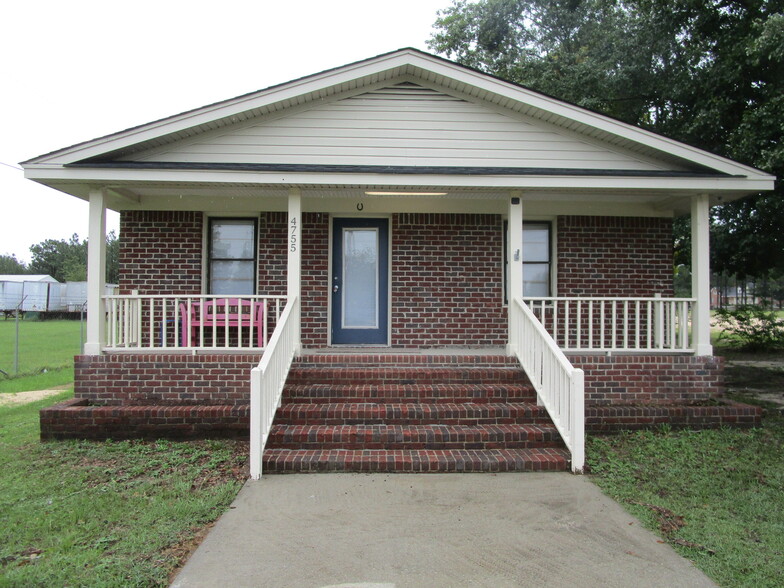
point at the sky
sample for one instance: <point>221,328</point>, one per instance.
<point>75,70</point>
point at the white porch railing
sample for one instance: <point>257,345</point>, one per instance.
<point>139,322</point>
<point>559,385</point>
<point>617,324</point>
<point>267,381</point>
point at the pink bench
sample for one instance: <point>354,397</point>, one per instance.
<point>222,316</point>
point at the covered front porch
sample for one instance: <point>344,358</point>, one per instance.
<point>449,290</point>
<point>541,332</point>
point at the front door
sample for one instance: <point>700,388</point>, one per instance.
<point>360,281</point>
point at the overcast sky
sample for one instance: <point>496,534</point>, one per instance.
<point>76,70</point>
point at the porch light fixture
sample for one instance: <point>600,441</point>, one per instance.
<point>406,193</point>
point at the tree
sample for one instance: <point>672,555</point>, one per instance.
<point>10,265</point>
<point>66,261</point>
<point>61,259</point>
<point>112,258</point>
<point>708,73</point>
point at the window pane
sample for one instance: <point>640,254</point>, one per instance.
<point>536,279</point>
<point>360,278</point>
<point>233,239</point>
<point>536,243</point>
<point>232,277</point>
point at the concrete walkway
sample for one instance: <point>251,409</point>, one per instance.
<point>379,530</point>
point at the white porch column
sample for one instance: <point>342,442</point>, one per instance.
<point>96,274</point>
<point>514,255</point>
<point>700,273</point>
<point>293,278</point>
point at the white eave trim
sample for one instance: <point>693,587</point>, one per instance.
<point>409,63</point>
<point>113,176</point>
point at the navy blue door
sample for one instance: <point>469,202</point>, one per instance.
<point>360,281</point>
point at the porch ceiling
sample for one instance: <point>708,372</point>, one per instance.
<point>490,194</point>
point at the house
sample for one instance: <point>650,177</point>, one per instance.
<point>393,240</point>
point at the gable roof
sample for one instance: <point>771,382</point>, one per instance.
<point>166,145</point>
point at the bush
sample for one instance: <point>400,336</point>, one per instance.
<point>751,327</point>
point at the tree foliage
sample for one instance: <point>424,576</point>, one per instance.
<point>707,73</point>
<point>66,260</point>
<point>10,265</point>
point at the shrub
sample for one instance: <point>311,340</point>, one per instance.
<point>751,327</point>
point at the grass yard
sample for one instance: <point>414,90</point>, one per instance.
<point>105,513</point>
<point>716,496</point>
<point>46,351</point>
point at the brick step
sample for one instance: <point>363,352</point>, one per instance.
<point>414,461</point>
<point>403,359</point>
<point>411,413</point>
<point>511,436</point>
<point>422,392</point>
<point>405,375</point>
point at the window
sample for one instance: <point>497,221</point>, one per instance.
<point>536,259</point>
<point>232,256</point>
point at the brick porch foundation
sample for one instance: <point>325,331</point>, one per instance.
<point>183,396</point>
<point>649,379</point>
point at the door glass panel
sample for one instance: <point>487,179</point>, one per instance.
<point>360,278</point>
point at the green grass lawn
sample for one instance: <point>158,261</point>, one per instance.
<point>46,352</point>
<point>716,496</point>
<point>83,513</point>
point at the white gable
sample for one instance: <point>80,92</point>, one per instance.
<point>401,125</point>
<point>404,119</point>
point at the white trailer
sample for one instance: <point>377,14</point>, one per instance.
<point>29,293</point>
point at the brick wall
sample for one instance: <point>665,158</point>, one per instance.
<point>117,379</point>
<point>614,256</point>
<point>447,278</point>
<point>649,379</point>
<point>603,419</point>
<point>75,419</point>
<point>273,257</point>
<point>446,268</point>
<point>315,279</point>
<point>160,252</point>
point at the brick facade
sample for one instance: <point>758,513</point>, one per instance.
<point>614,256</point>
<point>161,252</point>
<point>649,379</point>
<point>165,379</point>
<point>447,276</point>
<point>273,258</point>
<point>315,282</point>
<point>447,269</point>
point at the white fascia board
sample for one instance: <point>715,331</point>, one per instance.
<point>113,177</point>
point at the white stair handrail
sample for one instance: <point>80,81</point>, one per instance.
<point>268,378</point>
<point>560,387</point>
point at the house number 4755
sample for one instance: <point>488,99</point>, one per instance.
<point>293,235</point>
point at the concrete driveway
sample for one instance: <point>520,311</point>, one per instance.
<point>397,530</point>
